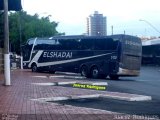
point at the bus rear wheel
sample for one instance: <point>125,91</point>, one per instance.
<point>95,72</point>
<point>34,68</point>
<point>84,71</point>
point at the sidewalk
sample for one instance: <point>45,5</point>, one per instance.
<point>16,101</point>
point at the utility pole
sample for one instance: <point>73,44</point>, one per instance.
<point>112,29</point>
<point>20,38</point>
<point>7,75</point>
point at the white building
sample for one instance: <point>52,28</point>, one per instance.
<point>96,25</point>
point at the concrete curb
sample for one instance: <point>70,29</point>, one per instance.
<point>61,76</point>
<point>72,82</point>
<point>126,96</point>
<point>44,84</point>
<point>85,96</point>
<point>66,83</point>
<point>39,76</point>
<point>118,97</point>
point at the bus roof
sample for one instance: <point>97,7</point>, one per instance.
<point>151,42</point>
<point>83,37</point>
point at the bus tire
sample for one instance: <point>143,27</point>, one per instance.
<point>84,71</point>
<point>34,67</point>
<point>95,72</point>
<point>113,77</point>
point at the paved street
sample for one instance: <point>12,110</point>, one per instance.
<point>43,96</point>
<point>148,83</point>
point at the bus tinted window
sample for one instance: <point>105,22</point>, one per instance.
<point>45,44</point>
<point>76,44</point>
<point>106,44</point>
<point>69,44</point>
<point>30,42</point>
<point>100,44</point>
<point>86,44</point>
<point>43,41</point>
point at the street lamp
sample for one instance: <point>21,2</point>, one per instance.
<point>112,29</point>
<point>150,25</point>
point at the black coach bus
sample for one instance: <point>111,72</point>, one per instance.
<point>92,56</point>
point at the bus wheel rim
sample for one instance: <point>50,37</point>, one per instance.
<point>95,72</point>
<point>34,68</point>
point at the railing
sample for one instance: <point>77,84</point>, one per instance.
<point>15,63</point>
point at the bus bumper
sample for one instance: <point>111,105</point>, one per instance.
<point>127,72</point>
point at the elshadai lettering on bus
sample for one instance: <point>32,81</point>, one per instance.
<point>57,54</point>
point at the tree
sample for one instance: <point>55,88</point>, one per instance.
<point>24,26</point>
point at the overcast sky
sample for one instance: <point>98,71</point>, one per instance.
<point>124,15</point>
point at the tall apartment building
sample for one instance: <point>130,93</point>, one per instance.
<point>96,25</point>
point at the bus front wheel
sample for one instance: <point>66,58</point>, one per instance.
<point>84,71</point>
<point>34,68</point>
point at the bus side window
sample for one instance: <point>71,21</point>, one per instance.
<point>100,44</point>
<point>111,44</point>
<point>52,44</point>
<point>86,44</point>
<point>44,44</point>
<point>72,44</point>
<point>31,41</point>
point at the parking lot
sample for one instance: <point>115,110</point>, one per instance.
<point>69,96</point>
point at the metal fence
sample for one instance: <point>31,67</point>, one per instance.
<point>15,61</point>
